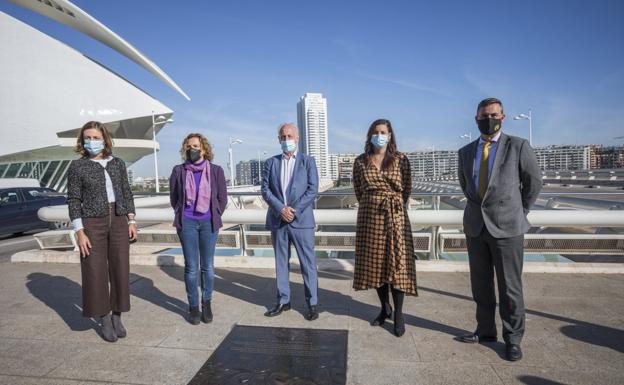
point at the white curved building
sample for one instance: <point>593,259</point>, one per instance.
<point>49,90</point>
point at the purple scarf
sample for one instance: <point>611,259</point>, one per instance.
<point>203,198</point>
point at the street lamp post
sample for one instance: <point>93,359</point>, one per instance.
<point>231,142</point>
<point>467,136</point>
<point>161,119</point>
<point>530,119</point>
<point>259,163</point>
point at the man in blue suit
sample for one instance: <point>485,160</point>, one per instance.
<point>289,186</point>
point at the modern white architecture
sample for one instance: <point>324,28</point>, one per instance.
<point>312,122</point>
<point>49,90</point>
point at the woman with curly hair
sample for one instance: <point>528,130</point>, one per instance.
<point>198,195</point>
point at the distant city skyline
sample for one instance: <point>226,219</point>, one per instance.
<point>425,67</point>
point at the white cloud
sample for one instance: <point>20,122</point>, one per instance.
<point>403,83</point>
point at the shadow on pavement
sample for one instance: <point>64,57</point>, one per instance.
<point>260,290</point>
<point>143,287</point>
<point>62,295</point>
<point>588,332</point>
<point>533,380</point>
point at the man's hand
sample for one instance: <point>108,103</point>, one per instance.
<point>288,214</point>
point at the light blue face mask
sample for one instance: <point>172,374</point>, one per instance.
<point>288,146</point>
<point>94,147</point>
<point>379,140</point>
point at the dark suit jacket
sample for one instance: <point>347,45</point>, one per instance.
<point>515,183</point>
<point>218,199</point>
<point>302,191</point>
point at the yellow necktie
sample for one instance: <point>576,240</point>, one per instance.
<point>483,169</point>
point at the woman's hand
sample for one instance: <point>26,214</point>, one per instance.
<point>84,244</point>
<point>132,231</point>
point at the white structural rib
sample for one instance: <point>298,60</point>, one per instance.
<point>69,14</point>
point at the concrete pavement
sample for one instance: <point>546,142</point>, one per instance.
<point>575,328</point>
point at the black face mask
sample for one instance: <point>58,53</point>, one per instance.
<point>193,154</point>
<point>489,126</point>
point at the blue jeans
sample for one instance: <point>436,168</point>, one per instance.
<point>198,245</point>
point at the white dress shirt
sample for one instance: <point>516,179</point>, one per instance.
<point>288,168</point>
<point>110,192</point>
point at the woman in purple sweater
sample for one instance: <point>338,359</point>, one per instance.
<point>198,195</point>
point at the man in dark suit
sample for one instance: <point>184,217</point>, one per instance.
<point>290,186</point>
<point>501,180</point>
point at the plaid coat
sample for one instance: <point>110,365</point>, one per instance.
<point>384,251</point>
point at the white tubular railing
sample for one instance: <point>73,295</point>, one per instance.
<point>540,218</point>
<point>433,240</point>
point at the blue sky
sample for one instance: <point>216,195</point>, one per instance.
<point>423,65</point>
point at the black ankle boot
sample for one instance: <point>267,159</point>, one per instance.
<point>206,316</point>
<point>194,315</point>
<point>384,314</point>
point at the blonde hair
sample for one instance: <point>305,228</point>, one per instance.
<point>108,139</point>
<point>205,145</point>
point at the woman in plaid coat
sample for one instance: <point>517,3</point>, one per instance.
<point>384,252</point>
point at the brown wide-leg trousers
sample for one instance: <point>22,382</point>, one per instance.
<point>108,262</point>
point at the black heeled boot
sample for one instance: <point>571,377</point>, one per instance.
<point>399,322</point>
<point>386,309</point>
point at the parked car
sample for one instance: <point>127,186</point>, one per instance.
<point>19,206</point>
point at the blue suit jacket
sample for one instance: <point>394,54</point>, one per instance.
<point>301,191</point>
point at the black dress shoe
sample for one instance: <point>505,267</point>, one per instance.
<point>384,314</point>
<point>312,314</point>
<point>514,353</point>
<point>278,309</point>
<point>474,338</point>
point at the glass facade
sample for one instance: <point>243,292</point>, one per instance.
<point>51,174</point>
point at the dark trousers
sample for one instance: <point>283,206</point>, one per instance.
<point>106,270</point>
<point>487,254</point>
